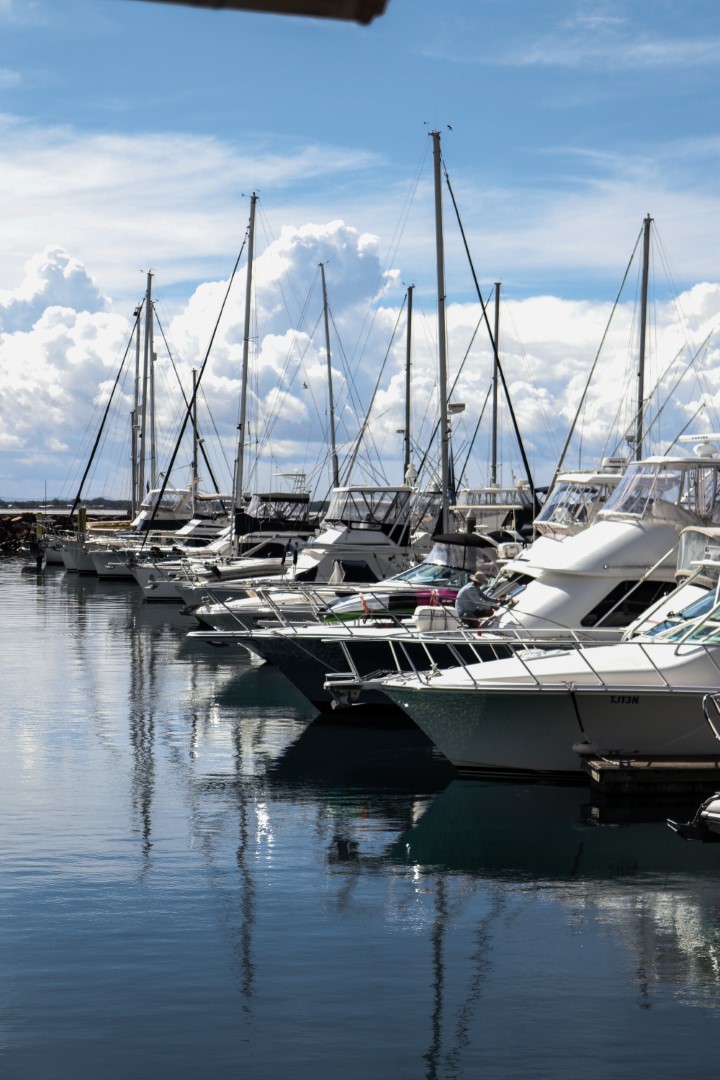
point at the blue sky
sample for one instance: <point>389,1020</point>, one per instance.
<point>133,132</point>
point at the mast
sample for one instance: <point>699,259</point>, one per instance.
<point>145,377</point>
<point>194,477</point>
<point>407,382</point>
<point>496,351</point>
<point>331,403</point>
<point>240,461</point>
<point>643,325</point>
<point>135,497</point>
<point>153,442</point>
<point>442,343</point>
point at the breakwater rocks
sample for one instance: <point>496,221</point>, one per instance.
<point>19,531</point>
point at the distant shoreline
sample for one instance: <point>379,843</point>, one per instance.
<point>50,510</point>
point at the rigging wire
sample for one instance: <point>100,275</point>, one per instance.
<point>584,394</point>
<point>365,424</point>
<point>500,370</point>
<point>201,442</point>
<point>193,396</point>
<point>102,424</point>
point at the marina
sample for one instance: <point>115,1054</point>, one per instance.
<point>359,542</point>
<point>198,877</point>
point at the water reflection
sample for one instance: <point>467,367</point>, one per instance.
<point>656,894</point>
<point>325,898</point>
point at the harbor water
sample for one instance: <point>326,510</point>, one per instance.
<point>197,879</point>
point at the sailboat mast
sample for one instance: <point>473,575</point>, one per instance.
<point>408,362</point>
<point>153,441</point>
<point>240,461</point>
<point>442,343</point>
<point>194,481</point>
<point>331,401</point>
<point>136,498</point>
<point>145,377</point>
<point>496,351</point>
<point>643,326</point>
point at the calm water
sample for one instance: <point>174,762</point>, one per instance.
<point>197,880</point>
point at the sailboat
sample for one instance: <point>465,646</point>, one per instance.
<point>160,514</point>
<point>366,533</point>
<point>591,582</point>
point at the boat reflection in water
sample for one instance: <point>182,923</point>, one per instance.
<point>211,882</point>
<point>657,898</point>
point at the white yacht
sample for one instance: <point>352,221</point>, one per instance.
<point>172,516</point>
<point>368,533</point>
<point>265,531</point>
<point>542,709</point>
<point>592,584</point>
<point>434,581</point>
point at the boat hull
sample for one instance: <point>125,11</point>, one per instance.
<point>527,732</point>
<point>307,660</point>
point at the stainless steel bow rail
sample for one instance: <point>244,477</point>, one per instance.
<point>525,649</point>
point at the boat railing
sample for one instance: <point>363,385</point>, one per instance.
<point>552,681</point>
<point>711,712</point>
<point>465,647</point>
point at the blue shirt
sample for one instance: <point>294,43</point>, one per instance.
<point>472,601</point>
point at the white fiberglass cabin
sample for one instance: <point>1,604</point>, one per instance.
<point>609,573</point>
<point>576,499</point>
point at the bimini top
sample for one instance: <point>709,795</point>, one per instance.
<point>371,505</point>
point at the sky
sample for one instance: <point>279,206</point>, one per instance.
<point>133,133</point>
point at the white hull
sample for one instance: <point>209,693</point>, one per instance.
<point>111,564</point>
<point>76,557</point>
<point>622,706</point>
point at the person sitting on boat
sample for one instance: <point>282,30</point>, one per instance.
<point>471,603</point>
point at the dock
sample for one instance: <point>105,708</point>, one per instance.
<point>649,777</point>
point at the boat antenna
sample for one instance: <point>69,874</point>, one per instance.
<point>442,335</point>
<point>240,459</point>
<point>496,352</point>
<point>408,363</point>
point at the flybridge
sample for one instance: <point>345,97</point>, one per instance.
<point>678,489</point>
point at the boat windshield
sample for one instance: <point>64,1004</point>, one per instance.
<point>700,607</point>
<point>490,497</point>
<point>171,500</point>
<point>707,632</point>
<point>447,564</point>
<point>290,506</point>
<point>372,506</point>
<point>699,546</point>
<point>569,504</point>
<point>675,491</point>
